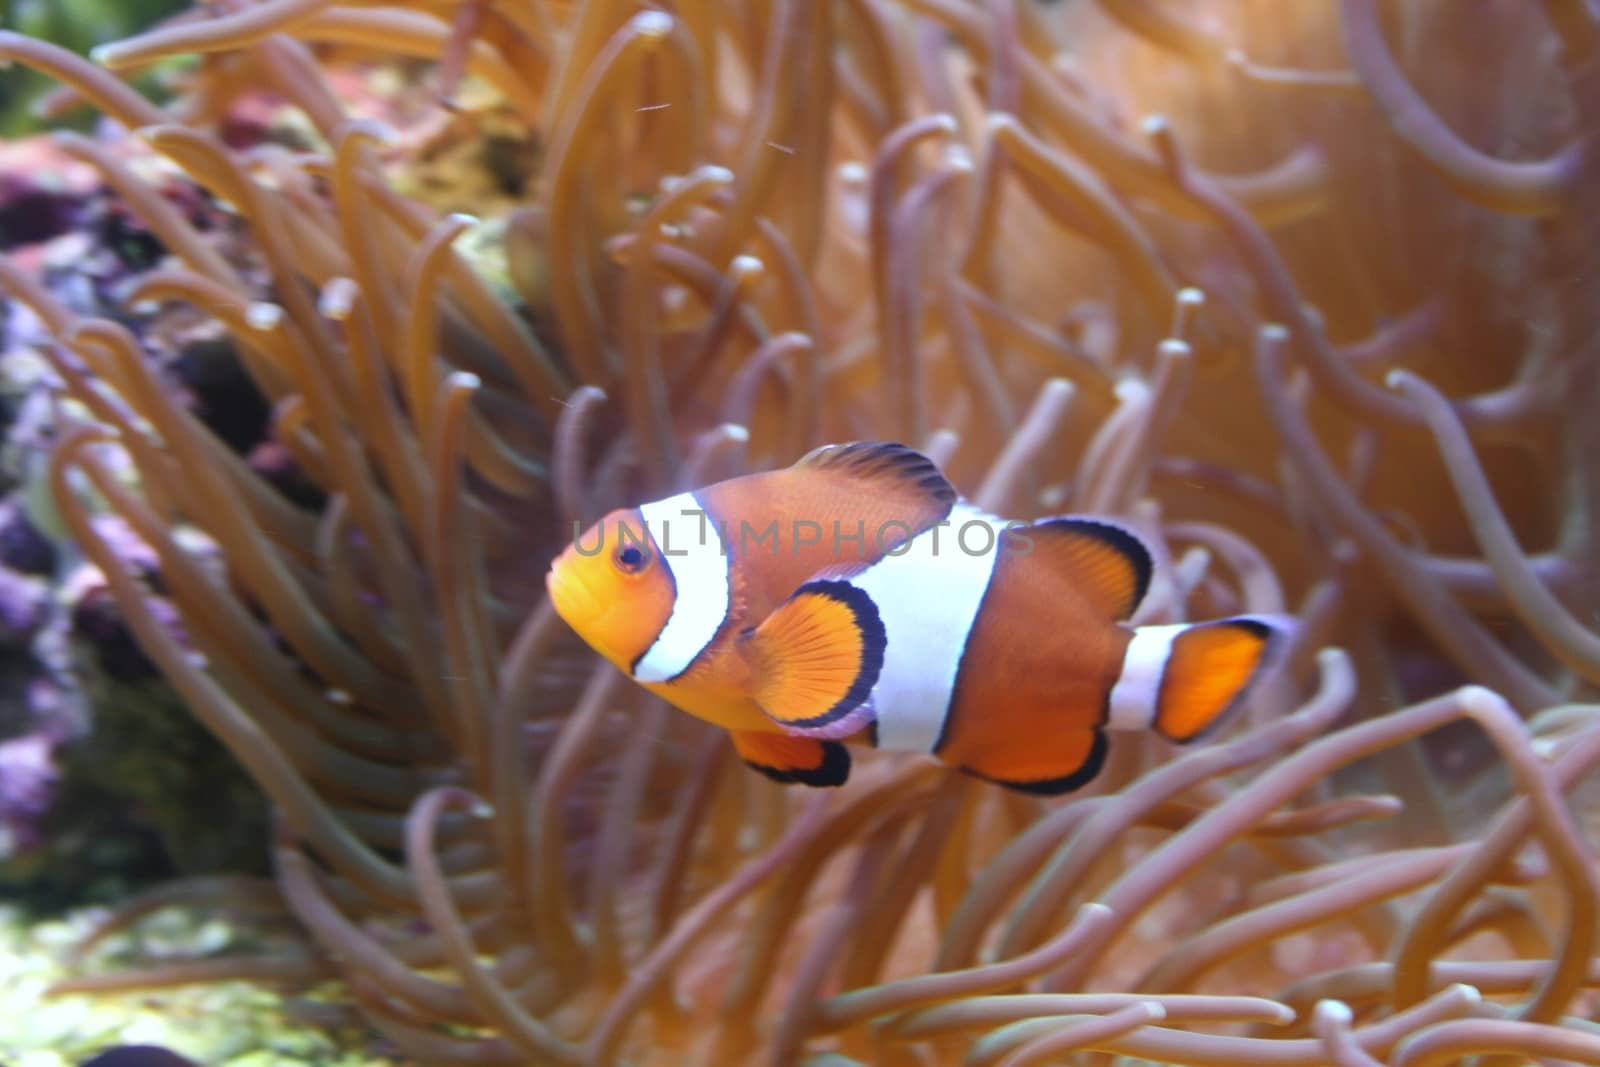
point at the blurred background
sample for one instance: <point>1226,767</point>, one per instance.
<point>75,24</point>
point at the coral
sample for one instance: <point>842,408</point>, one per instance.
<point>105,781</point>
<point>1304,291</point>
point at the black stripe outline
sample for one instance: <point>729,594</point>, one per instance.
<point>953,701</point>
<point>1067,783</point>
<point>727,611</point>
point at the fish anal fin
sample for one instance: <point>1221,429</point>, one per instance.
<point>1208,670</point>
<point>816,658</point>
<point>883,461</point>
<point>1109,563</point>
<point>1061,762</point>
<point>793,759</point>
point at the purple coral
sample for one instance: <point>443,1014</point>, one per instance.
<point>28,778</point>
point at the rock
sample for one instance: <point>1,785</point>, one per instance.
<point>137,1056</point>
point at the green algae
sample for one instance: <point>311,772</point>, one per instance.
<point>74,24</point>
<point>220,1024</point>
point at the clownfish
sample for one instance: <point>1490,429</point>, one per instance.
<point>855,597</point>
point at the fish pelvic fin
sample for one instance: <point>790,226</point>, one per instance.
<point>792,759</point>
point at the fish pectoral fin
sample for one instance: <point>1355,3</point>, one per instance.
<point>1209,669</point>
<point>816,658</point>
<point>1108,561</point>
<point>1062,761</point>
<point>793,759</point>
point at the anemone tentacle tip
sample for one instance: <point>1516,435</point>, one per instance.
<point>1131,389</point>
<point>958,158</point>
<point>1481,700</point>
<point>653,23</point>
<point>263,316</point>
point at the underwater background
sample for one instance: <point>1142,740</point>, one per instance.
<point>78,25</point>
<point>324,324</point>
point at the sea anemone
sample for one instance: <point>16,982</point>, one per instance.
<point>1303,291</point>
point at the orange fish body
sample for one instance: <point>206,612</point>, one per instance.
<point>767,533</point>
<point>855,597</point>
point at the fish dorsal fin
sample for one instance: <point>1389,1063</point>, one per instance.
<point>886,462</point>
<point>816,658</point>
<point>1109,562</point>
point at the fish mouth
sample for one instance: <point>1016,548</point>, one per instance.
<point>572,599</point>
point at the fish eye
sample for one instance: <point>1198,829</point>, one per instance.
<point>631,559</point>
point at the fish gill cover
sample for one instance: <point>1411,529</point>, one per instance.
<point>1304,292</point>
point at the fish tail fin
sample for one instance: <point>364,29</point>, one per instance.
<point>1183,681</point>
